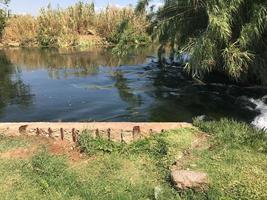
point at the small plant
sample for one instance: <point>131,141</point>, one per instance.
<point>92,145</point>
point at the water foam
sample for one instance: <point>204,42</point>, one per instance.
<point>261,120</point>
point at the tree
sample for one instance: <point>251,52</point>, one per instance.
<point>3,15</point>
<point>226,36</point>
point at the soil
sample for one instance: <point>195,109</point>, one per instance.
<point>55,147</point>
<point>20,153</point>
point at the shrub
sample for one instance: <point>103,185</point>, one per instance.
<point>21,29</point>
<point>127,36</point>
<point>50,27</point>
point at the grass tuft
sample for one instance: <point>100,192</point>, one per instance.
<point>235,134</point>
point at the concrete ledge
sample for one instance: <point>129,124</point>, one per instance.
<point>126,131</point>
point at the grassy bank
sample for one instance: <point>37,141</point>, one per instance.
<point>77,26</point>
<point>140,170</point>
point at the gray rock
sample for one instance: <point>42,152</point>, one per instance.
<point>185,179</point>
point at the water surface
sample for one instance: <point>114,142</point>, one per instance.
<point>72,85</point>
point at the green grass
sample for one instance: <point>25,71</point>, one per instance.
<point>235,134</point>
<point>236,165</point>
<point>234,173</point>
<point>135,171</point>
<point>237,162</point>
<point>8,143</point>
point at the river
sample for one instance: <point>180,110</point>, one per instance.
<point>94,85</point>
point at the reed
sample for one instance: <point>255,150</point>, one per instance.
<point>77,25</point>
<point>21,30</point>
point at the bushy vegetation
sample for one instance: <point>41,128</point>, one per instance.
<point>78,25</point>
<point>59,28</point>
<point>21,30</point>
<point>227,36</point>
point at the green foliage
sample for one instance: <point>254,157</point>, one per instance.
<point>126,37</point>
<point>163,148</point>
<point>235,134</point>
<point>3,16</point>
<point>61,28</point>
<point>157,146</point>
<point>222,36</point>
<point>92,145</point>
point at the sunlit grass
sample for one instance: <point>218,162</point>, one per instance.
<point>8,143</point>
<point>141,170</point>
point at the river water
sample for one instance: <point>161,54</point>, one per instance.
<point>94,85</point>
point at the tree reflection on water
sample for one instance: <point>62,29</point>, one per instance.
<point>12,89</point>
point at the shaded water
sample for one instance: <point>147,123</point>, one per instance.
<point>69,85</point>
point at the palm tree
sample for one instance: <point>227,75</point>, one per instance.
<point>227,36</point>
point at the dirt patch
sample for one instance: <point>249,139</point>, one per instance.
<point>66,148</point>
<point>55,147</point>
<point>19,153</point>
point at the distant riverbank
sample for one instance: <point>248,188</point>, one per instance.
<point>77,26</point>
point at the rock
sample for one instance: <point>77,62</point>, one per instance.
<point>185,179</point>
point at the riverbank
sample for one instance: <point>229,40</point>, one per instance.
<point>116,131</point>
<point>81,41</point>
<point>38,167</point>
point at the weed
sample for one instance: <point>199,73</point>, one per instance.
<point>91,145</point>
